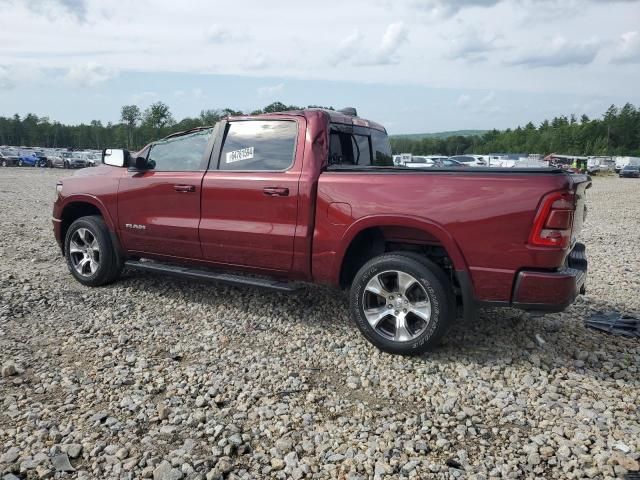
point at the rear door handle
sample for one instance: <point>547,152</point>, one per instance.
<point>276,191</point>
<point>184,188</point>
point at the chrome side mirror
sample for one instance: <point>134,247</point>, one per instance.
<point>115,157</point>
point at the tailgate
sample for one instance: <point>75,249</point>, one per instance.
<point>580,184</point>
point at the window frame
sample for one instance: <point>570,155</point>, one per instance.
<point>214,165</point>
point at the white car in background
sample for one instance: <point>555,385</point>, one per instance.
<point>470,160</point>
<point>421,161</point>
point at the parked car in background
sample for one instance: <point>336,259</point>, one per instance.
<point>621,162</point>
<point>402,158</point>
<point>92,158</point>
<point>433,162</point>
<point>56,160</point>
<point>469,160</point>
<point>8,158</point>
<point>43,160</point>
<point>449,162</point>
<point>418,161</point>
<point>72,160</point>
<point>28,159</point>
<point>630,171</point>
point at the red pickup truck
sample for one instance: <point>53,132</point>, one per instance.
<point>313,196</point>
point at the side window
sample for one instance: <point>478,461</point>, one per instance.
<point>267,145</point>
<point>381,149</point>
<point>361,150</point>
<point>179,154</point>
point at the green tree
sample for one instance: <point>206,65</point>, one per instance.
<point>158,116</point>
<point>130,115</point>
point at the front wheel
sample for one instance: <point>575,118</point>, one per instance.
<point>89,251</point>
<point>402,303</point>
<point>4,163</point>
<point>20,163</point>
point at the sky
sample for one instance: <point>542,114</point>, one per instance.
<point>413,65</point>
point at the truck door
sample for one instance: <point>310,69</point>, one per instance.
<point>159,209</point>
<point>250,194</point>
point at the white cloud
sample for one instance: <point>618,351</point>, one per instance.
<point>488,98</point>
<point>394,36</point>
<point>439,9</point>
<point>89,74</point>
<point>347,48</point>
<point>271,90</point>
<point>559,53</point>
<point>355,49</point>
<point>463,100</point>
<point>442,9</point>
<point>627,49</point>
<point>144,98</point>
<point>258,61</point>
<point>6,80</point>
<point>20,74</point>
<point>469,45</point>
<point>54,8</point>
<point>217,34</point>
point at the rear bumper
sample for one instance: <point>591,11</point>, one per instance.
<point>552,291</point>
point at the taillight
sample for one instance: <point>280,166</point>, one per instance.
<point>554,221</point>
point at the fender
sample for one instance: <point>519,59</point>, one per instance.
<point>418,223</point>
<point>93,200</point>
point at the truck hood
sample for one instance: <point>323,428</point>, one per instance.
<point>99,170</point>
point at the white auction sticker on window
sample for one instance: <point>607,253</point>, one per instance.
<point>239,155</point>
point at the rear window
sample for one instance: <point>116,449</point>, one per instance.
<point>359,146</point>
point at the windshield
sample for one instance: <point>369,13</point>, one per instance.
<point>632,167</point>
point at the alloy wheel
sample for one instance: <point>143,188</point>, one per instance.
<point>396,305</point>
<point>84,252</point>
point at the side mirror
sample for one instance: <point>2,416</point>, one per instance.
<point>115,157</point>
<point>140,164</point>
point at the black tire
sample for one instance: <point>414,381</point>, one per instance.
<point>109,264</point>
<point>20,163</point>
<point>4,163</point>
<point>431,282</point>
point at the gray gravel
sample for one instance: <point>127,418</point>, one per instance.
<point>167,379</point>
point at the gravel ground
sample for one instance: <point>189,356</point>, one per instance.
<point>167,379</point>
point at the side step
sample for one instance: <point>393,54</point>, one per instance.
<point>201,274</point>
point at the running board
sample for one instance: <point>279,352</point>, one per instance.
<point>201,274</point>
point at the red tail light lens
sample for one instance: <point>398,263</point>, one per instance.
<point>554,221</point>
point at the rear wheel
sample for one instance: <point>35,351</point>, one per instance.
<point>402,303</point>
<point>4,162</point>
<point>89,252</point>
<point>20,163</point>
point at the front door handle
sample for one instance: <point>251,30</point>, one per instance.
<point>276,191</point>
<point>184,188</point>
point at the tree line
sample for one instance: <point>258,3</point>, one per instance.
<point>135,129</point>
<point>617,132</point>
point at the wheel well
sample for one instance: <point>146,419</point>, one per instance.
<point>72,212</point>
<point>375,241</point>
